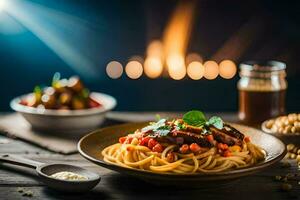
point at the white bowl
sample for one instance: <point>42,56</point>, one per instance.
<point>73,121</point>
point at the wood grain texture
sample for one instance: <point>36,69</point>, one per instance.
<point>116,186</point>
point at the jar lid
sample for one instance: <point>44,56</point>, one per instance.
<point>261,69</point>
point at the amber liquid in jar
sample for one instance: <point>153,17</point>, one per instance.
<point>257,106</point>
<point>262,89</point>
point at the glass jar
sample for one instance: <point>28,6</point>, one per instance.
<point>262,89</point>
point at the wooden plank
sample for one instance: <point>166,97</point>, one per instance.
<point>122,187</point>
<point>117,186</point>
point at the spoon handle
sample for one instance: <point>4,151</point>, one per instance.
<point>20,161</point>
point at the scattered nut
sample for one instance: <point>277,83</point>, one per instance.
<point>293,156</point>
<point>28,193</point>
<point>284,179</point>
<point>286,187</point>
<point>289,175</point>
<point>295,150</point>
<point>278,178</point>
<point>285,164</point>
<point>20,190</point>
<point>288,155</point>
<point>290,147</point>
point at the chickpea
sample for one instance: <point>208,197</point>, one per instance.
<point>298,152</point>
<point>286,122</point>
<point>288,155</point>
<point>293,156</point>
<point>295,116</point>
<point>278,122</point>
<point>292,117</point>
<point>290,147</point>
<point>291,120</point>
<point>274,129</point>
<point>295,150</point>
<point>270,123</point>
<point>285,131</point>
<point>282,120</point>
<point>288,129</point>
<point>298,158</point>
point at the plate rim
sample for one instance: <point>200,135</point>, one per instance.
<point>246,170</point>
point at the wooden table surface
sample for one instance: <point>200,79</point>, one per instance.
<point>117,186</point>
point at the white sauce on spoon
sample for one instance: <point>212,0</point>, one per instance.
<point>65,175</point>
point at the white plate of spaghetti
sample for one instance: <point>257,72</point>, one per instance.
<point>191,148</point>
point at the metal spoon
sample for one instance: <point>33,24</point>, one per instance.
<point>46,170</point>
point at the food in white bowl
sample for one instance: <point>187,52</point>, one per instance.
<point>65,106</point>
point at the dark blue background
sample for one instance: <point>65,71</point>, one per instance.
<point>123,28</point>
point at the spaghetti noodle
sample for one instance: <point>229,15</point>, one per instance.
<point>163,147</point>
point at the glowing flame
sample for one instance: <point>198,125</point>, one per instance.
<point>153,65</point>
<point>169,56</point>
<point>155,49</point>
<point>227,69</point>
<point>211,70</point>
<point>176,39</point>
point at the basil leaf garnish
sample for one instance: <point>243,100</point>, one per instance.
<point>216,122</point>
<point>197,118</point>
<point>194,118</point>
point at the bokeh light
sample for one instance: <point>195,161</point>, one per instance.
<point>177,72</point>
<point>153,67</point>
<point>211,70</point>
<point>195,70</point>
<point>134,69</point>
<point>191,57</point>
<point>114,69</point>
<point>176,67</point>
<point>227,69</point>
